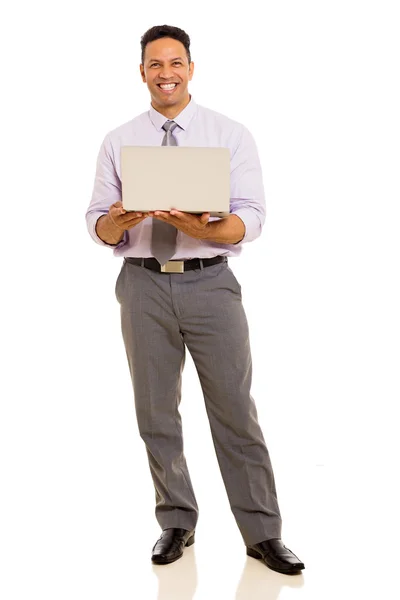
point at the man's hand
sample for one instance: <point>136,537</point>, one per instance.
<point>123,219</point>
<point>111,227</point>
<point>196,226</point>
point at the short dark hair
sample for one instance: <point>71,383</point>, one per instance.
<point>160,31</point>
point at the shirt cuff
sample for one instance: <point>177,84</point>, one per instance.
<point>251,222</point>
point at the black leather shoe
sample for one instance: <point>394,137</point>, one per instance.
<point>170,545</point>
<point>276,556</point>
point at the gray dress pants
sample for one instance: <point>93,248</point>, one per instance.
<point>202,309</point>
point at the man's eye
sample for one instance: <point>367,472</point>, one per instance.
<point>175,63</point>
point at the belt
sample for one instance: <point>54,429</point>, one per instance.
<point>176,266</point>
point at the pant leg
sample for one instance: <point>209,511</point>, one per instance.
<point>156,356</point>
<point>215,330</point>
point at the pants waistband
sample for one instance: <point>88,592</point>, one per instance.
<point>176,266</point>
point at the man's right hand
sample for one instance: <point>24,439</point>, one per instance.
<point>123,219</point>
<point>111,227</point>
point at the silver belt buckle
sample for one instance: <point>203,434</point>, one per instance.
<point>173,266</point>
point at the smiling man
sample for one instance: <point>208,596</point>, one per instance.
<point>177,291</point>
<point>167,70</point>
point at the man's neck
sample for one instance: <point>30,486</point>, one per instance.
<point>172,111</point>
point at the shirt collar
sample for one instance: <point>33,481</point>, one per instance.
<point>183,119</point>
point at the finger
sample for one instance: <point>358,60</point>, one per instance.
<point>135,215</point>
<point>116,210</point>
<point>127,219</point>
<point>134,220</point>
<point>204,217</point>
<point>177,213</point>
<point>131,215</point>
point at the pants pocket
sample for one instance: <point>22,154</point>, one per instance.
<point>118,282</point>
<point>236,284</point>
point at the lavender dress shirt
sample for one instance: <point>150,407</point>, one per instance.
<point>199,126</point>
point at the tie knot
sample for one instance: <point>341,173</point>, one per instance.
<point>169,126</point>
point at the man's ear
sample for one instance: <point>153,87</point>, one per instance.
<point>142,73</point>
<point>191,70</point>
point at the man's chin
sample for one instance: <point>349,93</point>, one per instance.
<point>165,100</point>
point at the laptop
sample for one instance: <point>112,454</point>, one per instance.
<point>190,179</point>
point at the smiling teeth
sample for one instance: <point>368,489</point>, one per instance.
<point>168,86</point>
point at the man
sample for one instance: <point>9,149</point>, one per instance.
<point>176,290</point>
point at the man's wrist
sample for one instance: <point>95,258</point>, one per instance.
<point>228,230</point>
<point>115,231</point>
<point>108,232</point>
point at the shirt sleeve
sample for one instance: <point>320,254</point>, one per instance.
<point>247,189</point>
<point>107,190</point>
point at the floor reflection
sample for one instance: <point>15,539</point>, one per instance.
<point>178,580</point>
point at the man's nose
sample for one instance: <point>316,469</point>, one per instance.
<point>166,73</point>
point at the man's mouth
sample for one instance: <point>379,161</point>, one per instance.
<point>167,87</point>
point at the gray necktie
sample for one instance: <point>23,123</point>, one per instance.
<point>163,235</point>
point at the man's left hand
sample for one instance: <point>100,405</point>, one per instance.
<point>196,226</point>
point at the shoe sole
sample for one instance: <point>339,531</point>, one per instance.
<point>167,561</point>
<point>292,571</point>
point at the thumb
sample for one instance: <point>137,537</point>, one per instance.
<point>204,217</point>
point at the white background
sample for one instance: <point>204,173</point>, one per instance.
<point>317,83</point>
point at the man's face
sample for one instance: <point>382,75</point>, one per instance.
<point>165,61</point>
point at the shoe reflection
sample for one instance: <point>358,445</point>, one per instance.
<point>258,582</point>
<point>179,580</point>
